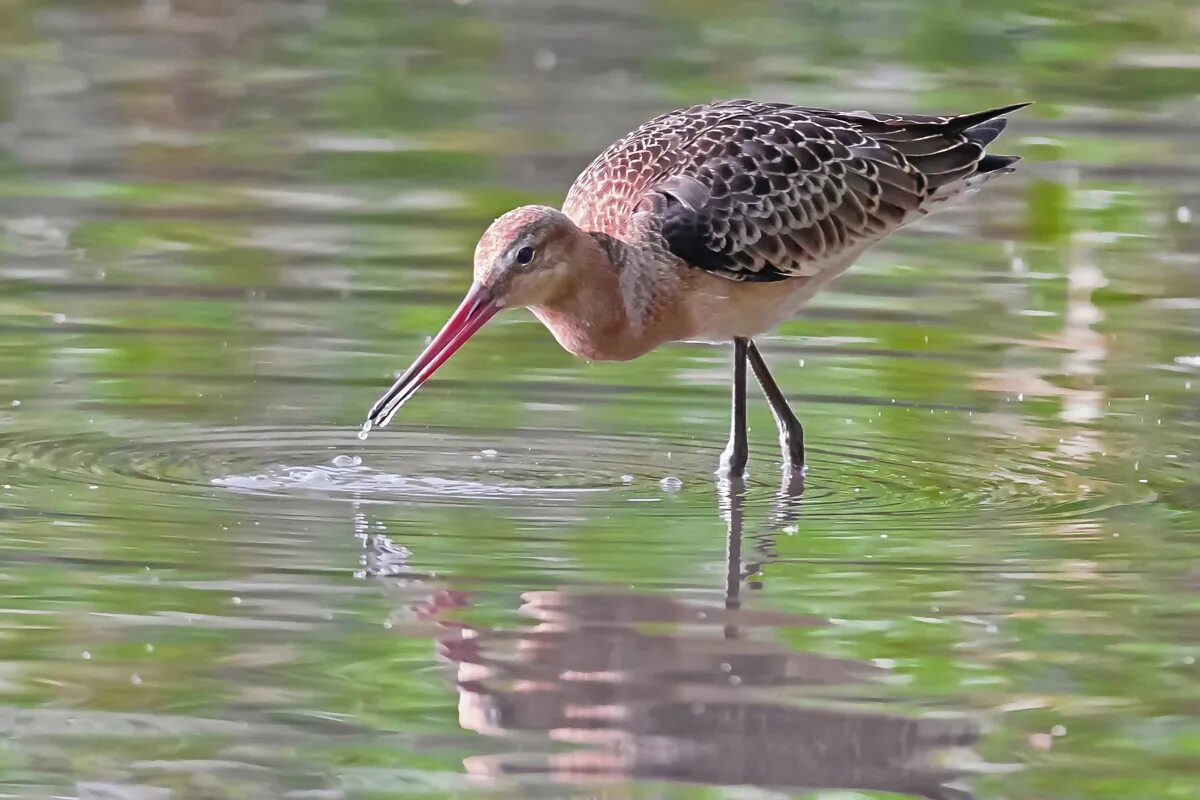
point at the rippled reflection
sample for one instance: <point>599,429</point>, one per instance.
<point>654,686</point>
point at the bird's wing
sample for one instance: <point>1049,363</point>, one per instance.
<point>762,191</point>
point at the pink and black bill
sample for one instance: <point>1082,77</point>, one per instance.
<point>475,309</point>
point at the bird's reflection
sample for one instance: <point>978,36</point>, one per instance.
<point>660,687</point>
<point>785,510</point>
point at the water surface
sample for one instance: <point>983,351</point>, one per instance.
<point>223,226</point>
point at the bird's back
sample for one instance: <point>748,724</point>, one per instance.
<point>768,191</point>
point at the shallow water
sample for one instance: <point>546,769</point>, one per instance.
<point>223,226</point>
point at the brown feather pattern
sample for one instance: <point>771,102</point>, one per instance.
<point>768,191</point>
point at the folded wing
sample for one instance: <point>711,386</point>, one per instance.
<point>764,192</point>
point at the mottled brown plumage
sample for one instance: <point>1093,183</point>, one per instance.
<point>767,191</point>
<point>715,222</point>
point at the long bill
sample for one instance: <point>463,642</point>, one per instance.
<point>475,309</point>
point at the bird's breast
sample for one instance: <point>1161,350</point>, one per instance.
<point>593,339</point>
<point>704,308</point>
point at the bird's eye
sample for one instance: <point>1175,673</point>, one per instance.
<point>525,255</point>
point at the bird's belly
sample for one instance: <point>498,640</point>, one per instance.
<point>745,309</point>
<point>721,309</point>
<point>692,305</point>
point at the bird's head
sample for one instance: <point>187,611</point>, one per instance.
<point>523,259</point>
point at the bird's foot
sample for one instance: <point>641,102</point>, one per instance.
<point>792,446</point>
<point>734,460</point>
<point>794,468</point>
<point>792,478</point>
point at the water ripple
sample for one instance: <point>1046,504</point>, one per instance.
<point>876,480</point>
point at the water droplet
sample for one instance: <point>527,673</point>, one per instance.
<point>670,483</point>
<point>1058,730</point>
<point>59,318</point>
<point>488,453</point>
<point>365,431</point>
<point>135,679</point>
<point>16,404</point>
<point>87,655</point>
<point>315,477</point>
<point>1183,214</point>
<point>544,60</point>
<point>1040,741</point>
<point>626,479</point>
<point>346,461</point>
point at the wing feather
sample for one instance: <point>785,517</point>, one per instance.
<point>766,191</point>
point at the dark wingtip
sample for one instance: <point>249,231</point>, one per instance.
<point>996,163</point>
<point>982,128</point>
<point>985,133</point>
<point>969,121</point>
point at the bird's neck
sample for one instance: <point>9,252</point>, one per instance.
<point>605,312</point>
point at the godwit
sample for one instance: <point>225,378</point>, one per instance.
<point>713,223</point>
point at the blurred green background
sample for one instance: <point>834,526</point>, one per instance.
<point>224,224</point>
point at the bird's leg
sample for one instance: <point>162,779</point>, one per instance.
<point>737,452</point>
<point>791,432</point>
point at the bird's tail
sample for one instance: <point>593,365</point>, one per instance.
<point>951,152</point>
<point>982,128</point>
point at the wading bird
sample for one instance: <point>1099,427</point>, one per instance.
<point>713,223</point>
